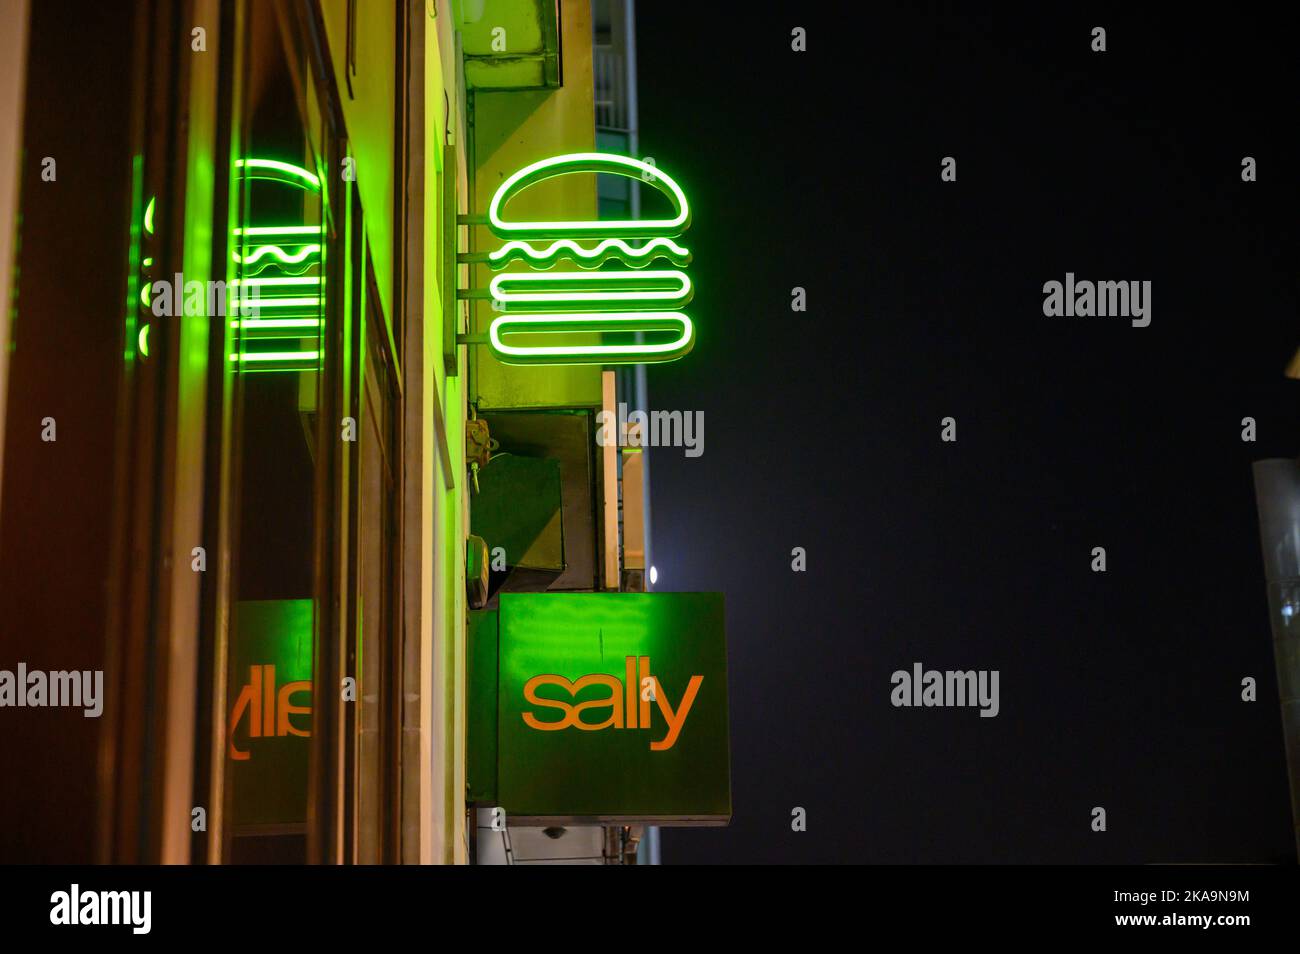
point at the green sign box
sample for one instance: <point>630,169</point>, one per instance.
<point>609,708</point>
<point>268,713</point>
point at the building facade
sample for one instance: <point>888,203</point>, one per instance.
<point>261,463</point>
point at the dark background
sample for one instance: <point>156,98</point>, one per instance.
<point>822,429</point>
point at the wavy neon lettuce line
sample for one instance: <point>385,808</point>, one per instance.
<point>591,257</point>
<point>279,253</point>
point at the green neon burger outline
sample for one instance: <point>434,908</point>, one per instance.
<point>649,290</point>
<point>589,162</point>
<point>639,353</point>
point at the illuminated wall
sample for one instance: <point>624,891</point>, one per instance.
<point>511,131</point>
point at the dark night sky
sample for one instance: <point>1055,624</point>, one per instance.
<point>1118,689</point>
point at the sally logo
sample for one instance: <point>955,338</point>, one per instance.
<point>592,315</point>
<point>268,710</point>
<point>628,708</point>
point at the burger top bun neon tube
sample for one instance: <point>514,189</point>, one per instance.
<point>589,162</point>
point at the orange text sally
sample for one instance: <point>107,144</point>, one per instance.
<point>628,708</point>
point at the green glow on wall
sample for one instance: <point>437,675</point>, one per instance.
<point>552,317</point>
<point>135,252</point>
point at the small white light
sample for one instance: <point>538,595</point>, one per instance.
<point>654,576</point>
